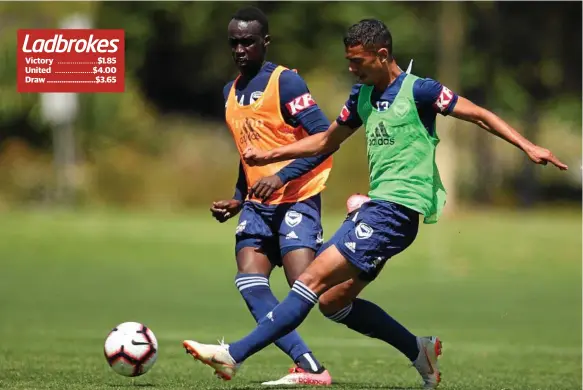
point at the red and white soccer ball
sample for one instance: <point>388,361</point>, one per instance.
<point>131,349</point>
<point>355,201</point>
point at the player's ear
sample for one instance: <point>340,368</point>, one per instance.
<point>266,40</point>
<point>383,54</point>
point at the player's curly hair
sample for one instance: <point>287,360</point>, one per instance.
<point>253,14</point>
<point>370,33</point>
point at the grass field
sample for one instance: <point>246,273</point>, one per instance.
<point>502,290</point>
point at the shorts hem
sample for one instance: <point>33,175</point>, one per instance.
<point>243,244</point>
<point>398,202</point>
<point>352,261</point>
<point>287,249</point>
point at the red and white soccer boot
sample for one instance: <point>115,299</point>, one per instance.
<point>215,356</point>
<point>426,362</point>
<point>299,376</point>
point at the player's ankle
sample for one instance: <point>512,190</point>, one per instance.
<point>308,363</point>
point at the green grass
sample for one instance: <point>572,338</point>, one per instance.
<point>502,290</point>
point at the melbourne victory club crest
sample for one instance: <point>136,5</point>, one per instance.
<point>254,100</point>
<point>363,231</point>
<point>254,96</point>
<point>401,107</point>
<point>293,218</point>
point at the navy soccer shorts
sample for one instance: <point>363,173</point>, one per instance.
<point>280,229</point>
<point>374,233</point>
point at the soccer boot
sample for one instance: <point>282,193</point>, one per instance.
<point>426,362</point>
<point>215,356</point>
<point>299,376</point>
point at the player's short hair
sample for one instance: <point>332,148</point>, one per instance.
<point>370,33</point>
<point>253,14</point>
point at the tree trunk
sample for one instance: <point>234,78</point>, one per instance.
<point>64,160</point>
<point>451,39</point>
<point>483,140</point>
<point>539,88</point>
<point>528,185</point>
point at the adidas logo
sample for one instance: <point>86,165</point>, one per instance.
<point>291,236</point>
<point>380,136</point>
<point>381,130</point>
<point>351,246</point>
<point>240,227</point>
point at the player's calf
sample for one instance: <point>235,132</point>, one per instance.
<point>370,320</point>
<point>340,304</point>
<point>256,292</point>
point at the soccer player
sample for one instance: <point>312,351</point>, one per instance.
<point>268,105</point>
<point>398,112</point>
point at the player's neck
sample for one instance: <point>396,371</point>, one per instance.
<point>393,71</point>
<point>251,71</point>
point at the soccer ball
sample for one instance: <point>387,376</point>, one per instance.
<point>131,349</point>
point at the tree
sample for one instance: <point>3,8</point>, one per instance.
<point>451,35</point>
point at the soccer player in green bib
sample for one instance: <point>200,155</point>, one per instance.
<point>398,113</point>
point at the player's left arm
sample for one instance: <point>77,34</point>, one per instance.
<point>298,109</point>
<point>470,112</point>
<point>432,94</point>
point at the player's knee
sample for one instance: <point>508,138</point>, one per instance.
<point>252,268</point>
<point>311,280</point>
<point>334,309</point>
<point>251,261</point>
<point>295,263</point>
<point>330,304</point>
<point>335,301</point>
<point>326,305</point>
<point>327,271</point>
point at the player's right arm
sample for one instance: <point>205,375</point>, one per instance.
<point>317,144</point>
<point>222,210</point>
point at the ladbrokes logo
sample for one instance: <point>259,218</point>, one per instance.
<point>444,99</point>
<point>71,60</point>
<point>380,136</point>
<point>58,44</point>
<point>299,104</point>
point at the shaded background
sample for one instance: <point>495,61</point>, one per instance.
<point>155,145</point>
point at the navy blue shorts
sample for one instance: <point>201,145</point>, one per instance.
<point>374,233</point>
<point>279,229</point>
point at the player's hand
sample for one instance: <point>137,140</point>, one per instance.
<point>265,187</point>
<point>225,209</point>
<point>355,201</point>
<point>543,156</point>
<point>253,156</point>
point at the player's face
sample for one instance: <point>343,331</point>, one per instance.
<point>365,64</point>
<point>248,45</point>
